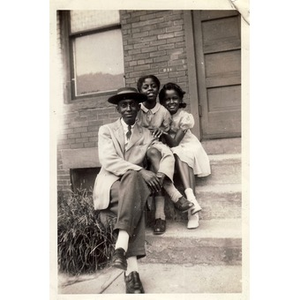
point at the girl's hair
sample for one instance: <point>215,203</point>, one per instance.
<point>175,87</point>
<point>142,79</point>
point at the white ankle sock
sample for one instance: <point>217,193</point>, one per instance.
<point>160,207</point>
<point>189,194</point>
<point>171,190</point>
<point>193,220</point>
<point>132,265</point>
<point>122,240</point>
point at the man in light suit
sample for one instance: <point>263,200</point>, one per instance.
<point>123,184</point>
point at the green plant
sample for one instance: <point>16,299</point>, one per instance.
<point>84,243</point>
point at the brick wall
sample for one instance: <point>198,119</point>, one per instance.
<point>154,43</point>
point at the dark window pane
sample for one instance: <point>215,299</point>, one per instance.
<point>82,20</point>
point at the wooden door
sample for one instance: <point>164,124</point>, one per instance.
<point>218,65</point>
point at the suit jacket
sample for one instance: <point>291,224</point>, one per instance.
<point>115,160</point>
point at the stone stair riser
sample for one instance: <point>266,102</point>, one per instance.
<point>222,146</point>
<point>206,251</point>
<point>222,173</point>
<point>214,205</point>
<point>220,205</point>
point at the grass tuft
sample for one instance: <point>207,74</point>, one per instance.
<point>84,243</point>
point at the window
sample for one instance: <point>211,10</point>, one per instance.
<point>96,52</point>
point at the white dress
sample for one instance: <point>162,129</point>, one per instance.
<point>189,149</point>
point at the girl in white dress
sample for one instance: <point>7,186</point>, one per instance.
<point>157,119</point>
<point>190,156</point>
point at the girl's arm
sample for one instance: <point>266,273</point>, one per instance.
<point>165,126</point>
<point>173,142</point>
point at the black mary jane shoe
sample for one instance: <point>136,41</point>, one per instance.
<point>133,283</point>
<point>183,204</point>
<point>159,226</point>
<point>119,259</point>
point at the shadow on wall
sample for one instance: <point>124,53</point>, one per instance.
<point>83,179</point>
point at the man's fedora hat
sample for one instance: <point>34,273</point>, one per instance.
<point>127,93</point>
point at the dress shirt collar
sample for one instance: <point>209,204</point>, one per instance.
<point>153,110</point>
<point>125,126</point>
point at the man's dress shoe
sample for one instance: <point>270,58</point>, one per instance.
<point>133,283</point>
<point>119,259</point>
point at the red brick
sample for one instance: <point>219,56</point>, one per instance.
<point>77,146</point>
<point>139,35</point>
<point>142,56</point>
<point>165,47</point>
<point>149,28</point>
<point>89,134</point>
<point>156,14</point>
<point>132,63</point>
<point>161,58</point>
<point>82,140</point>
<point>177,74</point>
<point>141,45</point>
<point>150,39</point>
<point>139,13</point>
<point>93,128</point>
<point>165,36</point>
<point>179,33</point>
<point>158,53</point>
<point>135,51</point>
<point>160,42</point>
<point>93,139</point>
<point>149,49</point>
<point>74,135</point>
<point>90,144</point>
<point>67,130</point>
<point>175,40</point>
<point>142,68</point>
<point>80,129</point>
<point>135,30</point>
<point>128,47</point>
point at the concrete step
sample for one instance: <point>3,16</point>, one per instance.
<point>217,202</point>
<point>220,201</point>
<point>213,282</point>
<point>219,194</point>
<point>178,278</point>
<point>222,146</point>
<point>225,169</point>
<point>214,242</point>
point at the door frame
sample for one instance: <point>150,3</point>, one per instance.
<point>192,72</point>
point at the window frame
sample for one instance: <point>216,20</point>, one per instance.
<point>68,55</point>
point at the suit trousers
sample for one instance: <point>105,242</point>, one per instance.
<point>128,197</point>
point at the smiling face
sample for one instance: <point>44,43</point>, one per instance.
<point>150,89</point>
<point>128,109</point>
<point>171,101</point>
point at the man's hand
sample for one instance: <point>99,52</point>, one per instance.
<point>151,179</point>
<point>157,132</point>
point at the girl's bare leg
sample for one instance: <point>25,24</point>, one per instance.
<point>154,157</point>
<point>188,180</point>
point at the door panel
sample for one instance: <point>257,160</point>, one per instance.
<point>223,68</point>
<point>218,67</point>
<point>221,34</point>
<point>225,98</point>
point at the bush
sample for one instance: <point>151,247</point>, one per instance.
<point>84,243</point>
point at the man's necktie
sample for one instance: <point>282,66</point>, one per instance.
<point>128,133</point>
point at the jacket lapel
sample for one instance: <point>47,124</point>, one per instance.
<point>119,135</point>
<point>135,136</point>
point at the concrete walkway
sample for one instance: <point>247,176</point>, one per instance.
<point>161,278</point>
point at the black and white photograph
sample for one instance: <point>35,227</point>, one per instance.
<point>150,127</point>
<point>150,147</point>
